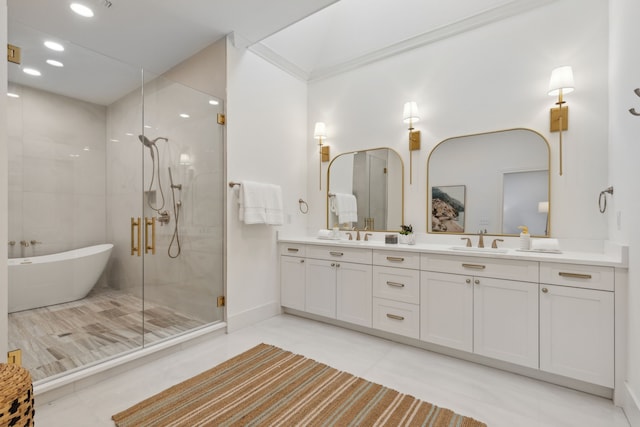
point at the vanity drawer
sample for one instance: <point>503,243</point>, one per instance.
<point>396,317</point>
<point>577,275</point>
<point>397,259</point>
<point>337,253</point>
<point>398,284</point>
<point>292,249</point>
<point>526,271</point>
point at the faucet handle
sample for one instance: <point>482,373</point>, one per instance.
<point>468,241</point>
<point>350,235</point>
<point>494,244</point>
<point>366,236</point>
<point>35,242</point>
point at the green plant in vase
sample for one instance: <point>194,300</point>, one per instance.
<point>406,235</point>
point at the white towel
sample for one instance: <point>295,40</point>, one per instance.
<point>273,204</point>
<point>260,203</point>
<point>346,207</point>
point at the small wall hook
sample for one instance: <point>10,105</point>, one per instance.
<point>634,112</point>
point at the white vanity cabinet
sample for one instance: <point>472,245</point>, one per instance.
<point>485,311</point>
<point>292,276</point>
<point>577,322</point>
<point>396,292</point>
<point>338,283</point>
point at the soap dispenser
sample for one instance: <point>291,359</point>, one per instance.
<point>525,238</point>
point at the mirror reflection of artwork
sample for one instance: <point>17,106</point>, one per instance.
<point>447,209</point>
<point>497,169</point>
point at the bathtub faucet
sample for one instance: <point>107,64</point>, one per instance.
<point>35,242</point>
<point>24,243</point>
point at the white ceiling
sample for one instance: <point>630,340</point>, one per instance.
<point>309,38</point>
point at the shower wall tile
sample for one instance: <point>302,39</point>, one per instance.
<point>89,220</point>
<point>47,175</point>
<point>50,170</point>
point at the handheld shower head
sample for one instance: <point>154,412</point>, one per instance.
<point>148,143</point>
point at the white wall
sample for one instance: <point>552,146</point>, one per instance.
<point>624,173</point>
<point>490,78</point>
<point>3,185</point>
<point>266,142</point>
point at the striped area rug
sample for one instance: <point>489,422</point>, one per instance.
<point>269,386</point>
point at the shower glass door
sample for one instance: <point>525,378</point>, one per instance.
<point>182,208</point>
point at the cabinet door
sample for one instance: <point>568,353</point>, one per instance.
<point>292,279</point>
<point>505,324</point>
<point>577,333</point>
<point>446,310</point>
<point>320,287</point>
<point>354,293</point>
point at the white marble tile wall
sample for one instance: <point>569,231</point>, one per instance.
<point>56,173</point>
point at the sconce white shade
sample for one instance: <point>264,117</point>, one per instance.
<point>185,159</point>
<point>543,207</point>
<point>561,78</point>
<point>320,130</point>
<point>410,112</point>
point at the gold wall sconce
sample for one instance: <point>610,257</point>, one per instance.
<point>560,83</point>
<point>410,115</point>
<point>320,133</point>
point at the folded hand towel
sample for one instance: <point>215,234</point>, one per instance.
<point>260,203</point>
<point>251,203</point>
<point>545,244</point>
<point>346,207</point>
<point>273,204</point>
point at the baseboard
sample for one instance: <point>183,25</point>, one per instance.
<point>631,406</point>
<point>250,317</point>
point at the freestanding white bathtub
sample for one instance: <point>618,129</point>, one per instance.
<point>45,280</point>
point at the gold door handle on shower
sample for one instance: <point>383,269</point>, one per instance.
<point>135,223</point>
<point>150,222</point>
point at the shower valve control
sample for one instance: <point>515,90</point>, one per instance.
<point>35,242</point>
<point>164,217</point>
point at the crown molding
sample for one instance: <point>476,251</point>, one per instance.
<point>500,12</point>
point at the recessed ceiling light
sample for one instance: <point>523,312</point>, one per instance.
<point>55,63</point>
<point>213,102</point>
<point>13,95</point>
<point>54,46</point>
<point>114,140</point>
<point>81,10</point>
<point>129,134</point>
<point>32,72</point>
<point>184,115</point>
<point>147,127</point>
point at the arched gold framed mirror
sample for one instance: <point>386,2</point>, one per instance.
<point>494,181</point>
<point>375,178</point>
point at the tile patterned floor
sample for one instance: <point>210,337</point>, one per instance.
<point>498,398</point>
<point>63,337</point>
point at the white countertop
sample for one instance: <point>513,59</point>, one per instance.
<point>615,258</point>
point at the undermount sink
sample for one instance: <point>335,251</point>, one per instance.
<point>483,250</point>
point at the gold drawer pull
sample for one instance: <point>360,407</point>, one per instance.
<point>475,266</point>
<point>293,249</point>
<point>395,258</point>
<point>336,253</point>
<point>394,317</point>
<point>574,275</point>
<point>396,284</point>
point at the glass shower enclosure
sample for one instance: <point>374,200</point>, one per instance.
<point>122,156</point>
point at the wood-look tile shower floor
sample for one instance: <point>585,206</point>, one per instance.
<point>62,337</point>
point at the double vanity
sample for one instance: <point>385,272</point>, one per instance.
<point>555,317</point>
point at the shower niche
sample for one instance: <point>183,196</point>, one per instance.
<point>78,149</point>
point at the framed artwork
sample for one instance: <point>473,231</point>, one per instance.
<point>447,209</point>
